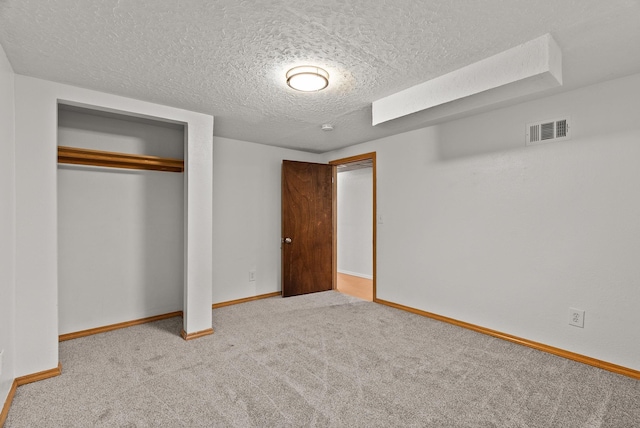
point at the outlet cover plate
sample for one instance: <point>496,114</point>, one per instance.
<point>576,317</point>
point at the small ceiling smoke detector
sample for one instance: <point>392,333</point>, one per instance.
<point>307,78</point>
<point>327,127</point>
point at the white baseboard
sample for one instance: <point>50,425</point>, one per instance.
<point>361,275</point>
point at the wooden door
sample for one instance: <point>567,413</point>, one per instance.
<point>307,230</point>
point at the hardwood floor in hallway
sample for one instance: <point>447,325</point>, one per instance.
<point>355,286</point>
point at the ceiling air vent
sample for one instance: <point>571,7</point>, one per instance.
<point>547,131</point>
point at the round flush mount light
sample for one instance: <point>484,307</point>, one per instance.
<point>307,78</point>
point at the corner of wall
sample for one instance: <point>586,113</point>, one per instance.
<point>7,231</point>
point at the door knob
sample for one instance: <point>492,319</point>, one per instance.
<point>287,240</point>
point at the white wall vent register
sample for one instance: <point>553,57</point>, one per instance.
<point>547,131</point>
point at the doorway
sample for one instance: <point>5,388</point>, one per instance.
<point>354,225</point>
<point>309,249</point>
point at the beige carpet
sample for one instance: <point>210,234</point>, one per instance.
<point>324,360</point>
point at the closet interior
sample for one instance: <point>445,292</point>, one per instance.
<point>120,188</point>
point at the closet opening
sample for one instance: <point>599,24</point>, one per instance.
<point>120,184</point>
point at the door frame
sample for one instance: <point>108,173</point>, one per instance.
<point>334,221</point>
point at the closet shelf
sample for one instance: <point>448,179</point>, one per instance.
<point>78,156</point>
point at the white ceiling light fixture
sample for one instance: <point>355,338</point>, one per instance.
<point>307,78</point>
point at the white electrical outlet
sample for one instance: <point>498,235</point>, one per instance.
<point>576,317</point>
<point>252,275</point>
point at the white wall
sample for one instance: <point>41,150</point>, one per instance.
<point>36,308</point>
<point>246,221</point>
<point>355,228</point>
<point>479,228</point>
<point>120,231</point>
<point>7,224</point>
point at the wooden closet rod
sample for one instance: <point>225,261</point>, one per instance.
<point>78,156</point>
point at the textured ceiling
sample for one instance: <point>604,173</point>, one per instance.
<point>228,58</point>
